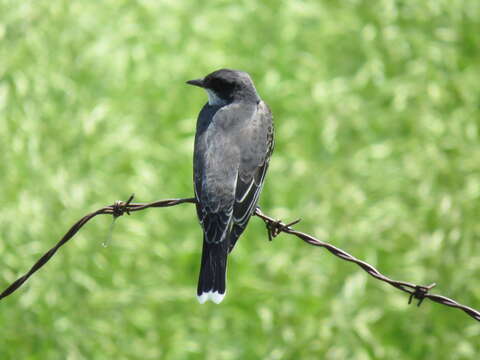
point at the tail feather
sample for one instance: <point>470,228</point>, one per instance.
<point>211,282</point>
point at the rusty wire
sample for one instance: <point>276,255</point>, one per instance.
<point>274,228</point>
<point>117,209</point>
<point>419,292</point>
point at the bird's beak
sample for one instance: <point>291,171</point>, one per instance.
<point>196,82</point>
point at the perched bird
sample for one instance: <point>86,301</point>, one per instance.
<point>233,144</point>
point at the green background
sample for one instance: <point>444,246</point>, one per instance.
<point>377,112</point>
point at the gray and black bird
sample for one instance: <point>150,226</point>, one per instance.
<point>233,144</point>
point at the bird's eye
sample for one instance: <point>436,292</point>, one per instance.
<point>224,85</point>
<point>218,84</point>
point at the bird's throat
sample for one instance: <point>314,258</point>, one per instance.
<point>214,99</point>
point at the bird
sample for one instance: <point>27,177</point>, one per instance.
<point>234,140</point>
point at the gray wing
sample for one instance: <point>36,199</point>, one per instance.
<point>216,162</point>
<point>232,148</point>
<point>253,167</point>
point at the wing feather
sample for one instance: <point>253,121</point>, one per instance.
<point>232,150</point>
<point>249,186</point>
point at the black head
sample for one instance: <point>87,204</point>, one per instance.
<point>225,86</point>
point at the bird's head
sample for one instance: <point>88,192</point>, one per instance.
<point>225,86</point>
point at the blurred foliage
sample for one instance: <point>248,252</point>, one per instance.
<point>377,114</point>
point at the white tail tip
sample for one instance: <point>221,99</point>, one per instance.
<point>214,296</point>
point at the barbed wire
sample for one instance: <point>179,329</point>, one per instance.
<point>117,209</point>
<point>274,228</point>
<point>419,292</point>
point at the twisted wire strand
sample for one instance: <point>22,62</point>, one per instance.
<point>274,228</point>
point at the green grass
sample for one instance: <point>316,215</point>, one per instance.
<point>377,111</point>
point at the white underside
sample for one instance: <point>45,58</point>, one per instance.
<point>214,296</point>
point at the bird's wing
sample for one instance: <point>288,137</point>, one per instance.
<point>255,156</point>
<point>230,160</point>
<point>216,162</point>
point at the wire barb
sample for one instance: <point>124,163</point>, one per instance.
<point>275,227</point>
<point>121,207</point>
<point>420,293</point>
<point>415,291</point>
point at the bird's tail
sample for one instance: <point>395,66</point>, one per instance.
<point>211,282</point>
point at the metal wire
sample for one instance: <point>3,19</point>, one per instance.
<point>419,292</point>
<point>274,228</point>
